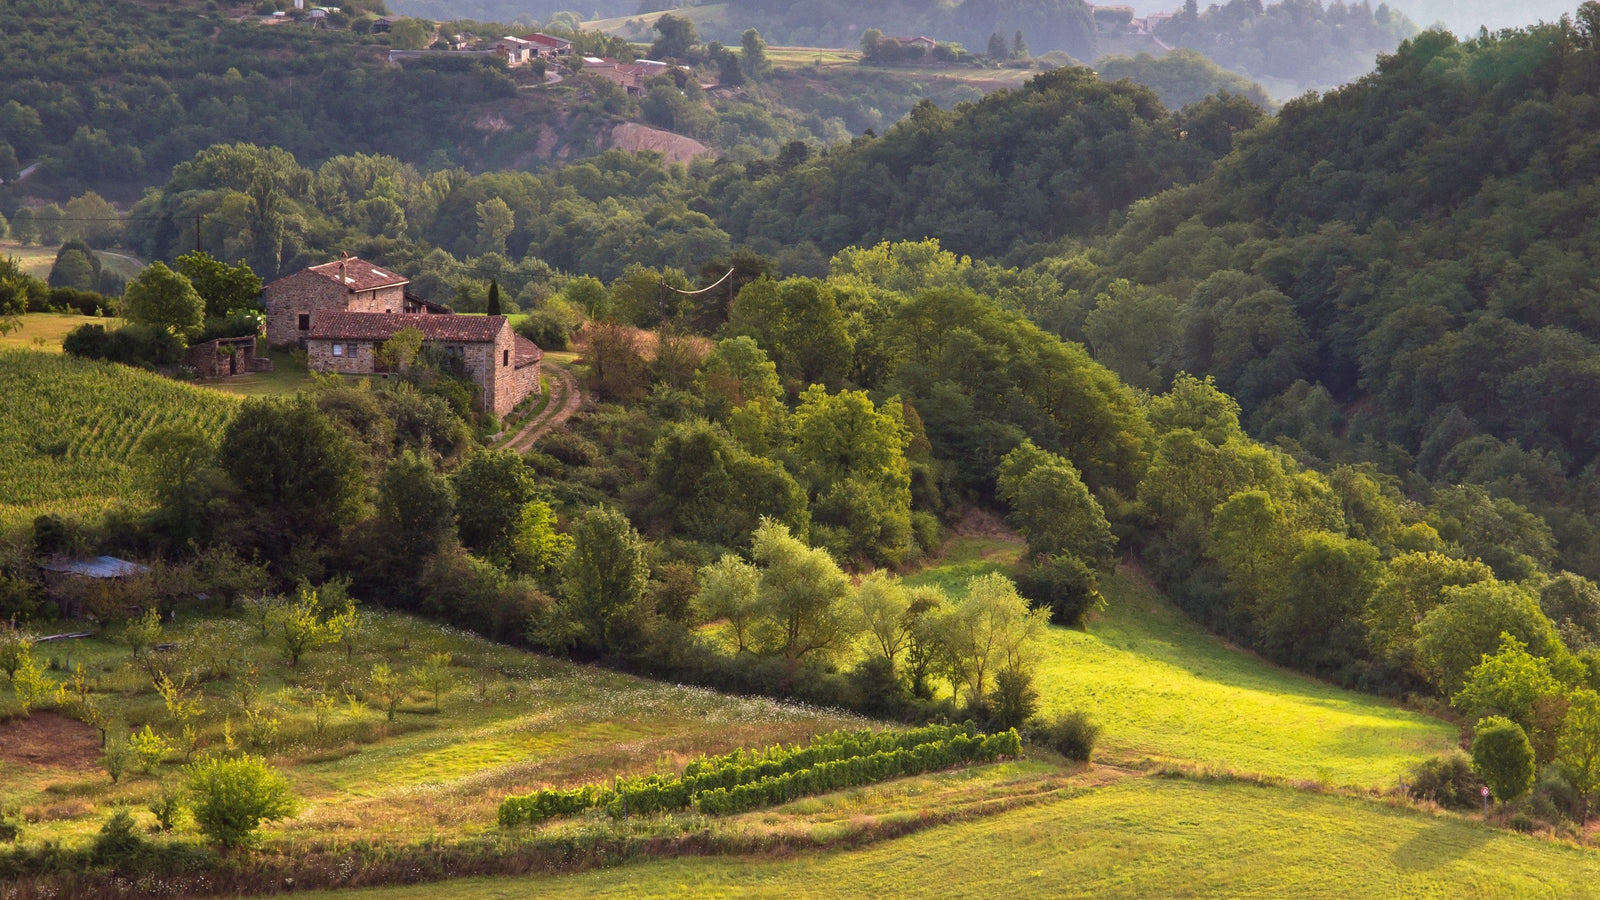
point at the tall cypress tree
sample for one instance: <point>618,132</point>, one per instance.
<point>493,308</point>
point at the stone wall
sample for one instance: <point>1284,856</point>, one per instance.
<point>303,293</point>
<point>359,357</point>
<point>521,383</point>
<point>382,300</point>
<point>492,366</point>
<point>508,386</point>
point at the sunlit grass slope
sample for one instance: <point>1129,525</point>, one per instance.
<point>508,721</point>
<point>1163,687</point>
<point>1139,837</point>
<point>45,331</point>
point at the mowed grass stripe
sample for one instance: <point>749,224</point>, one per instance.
<point>1163,687</point>
<point>1139,837</point>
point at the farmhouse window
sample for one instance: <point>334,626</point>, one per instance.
<point>338,349</point>
<point>505,357</point>
<point>305,321</point>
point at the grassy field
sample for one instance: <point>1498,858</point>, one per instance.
<point>1137,837</point>
<point>826,57</point>
<point>640,27</point>
<point>72,425</point>
<point>37,261</point>
<point>1163,688</point>
<point>509,722</point>
<point>45,331</point>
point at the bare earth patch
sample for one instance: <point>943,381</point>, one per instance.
<point>49,741</point>
<point>976,522</point>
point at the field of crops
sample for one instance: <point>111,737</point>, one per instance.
<point>70,427</point>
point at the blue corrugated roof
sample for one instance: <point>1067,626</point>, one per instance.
<point>99,567</point>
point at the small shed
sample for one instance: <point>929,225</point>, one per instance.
<point>69,581</point>
<point>225,357</point>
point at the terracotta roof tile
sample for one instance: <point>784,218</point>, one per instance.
<point>358,326</point>
<point>359,275</point>
<point>528,352</point>
<point>545,40</point>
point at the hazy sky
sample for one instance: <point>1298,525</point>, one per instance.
<point>1464,17</point>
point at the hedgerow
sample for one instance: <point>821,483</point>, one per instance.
<point>748,779</point>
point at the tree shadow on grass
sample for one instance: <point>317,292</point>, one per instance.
<point>1439,844</point>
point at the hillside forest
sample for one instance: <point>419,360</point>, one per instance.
<point>1323,374</point>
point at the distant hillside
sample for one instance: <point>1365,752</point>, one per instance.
<point>1055,157</point>
<point>1424,238</point>
<point>1294,46</point>
<point>1181,77</point>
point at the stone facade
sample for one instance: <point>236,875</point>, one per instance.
<point>504,366</point>
<point>342,357</point>
<point>226,357</point>
<point>294,300</point>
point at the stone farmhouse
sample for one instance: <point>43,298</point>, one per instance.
<point>342,311</point>
<point>632,77</point>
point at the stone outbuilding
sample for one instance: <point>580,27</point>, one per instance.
<point>505,365</point>
<point>226,357</point>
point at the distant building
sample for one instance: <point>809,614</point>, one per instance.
<point>631,76</point>
<point>226,357</point>
<point>515,51</point>
<point>549,46</point>
<point>81,586</point>
<point>347,285</point>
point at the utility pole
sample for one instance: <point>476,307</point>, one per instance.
<point>197,232</point>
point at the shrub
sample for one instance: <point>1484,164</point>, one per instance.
<point>1073,736</point>
<point>134,345</point>
<point>117,838</point>
<point>232,797</point>
<point>167,807</point>
<point>546,328</point>
<point>1064,585</point>
<point>1554,797</point>
<point>1503,757</point>
<point>1447,780</point>
<point>878,688</point>
<point>149,748</point>
<point>1014,699</point>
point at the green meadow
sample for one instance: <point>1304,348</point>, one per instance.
<point>1135,837</point>
<point>1163,688</point>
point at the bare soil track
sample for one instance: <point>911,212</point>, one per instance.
<point>565,398</point>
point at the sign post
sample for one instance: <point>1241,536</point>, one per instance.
<point>1485,793</point>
